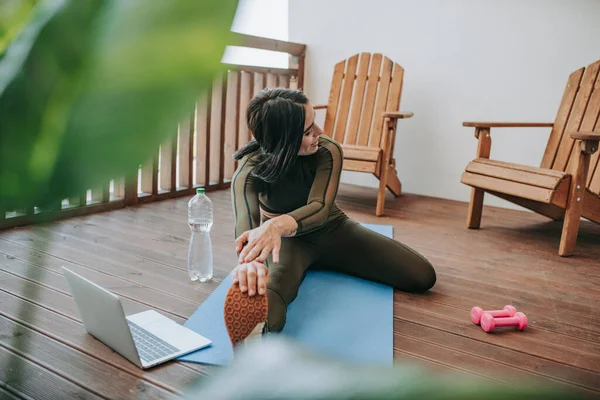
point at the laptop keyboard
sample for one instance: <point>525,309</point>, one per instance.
<point>149,347</point>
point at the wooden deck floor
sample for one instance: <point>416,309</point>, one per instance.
<point>140,254</point>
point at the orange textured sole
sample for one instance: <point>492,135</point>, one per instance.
<point>243,313</point>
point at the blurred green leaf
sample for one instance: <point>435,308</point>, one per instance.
<point>13,16</point>
<point>277,368</point>
<point>90,88</point>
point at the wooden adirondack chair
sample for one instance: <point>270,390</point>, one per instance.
<point>361,115</point>
<point>567,183</point>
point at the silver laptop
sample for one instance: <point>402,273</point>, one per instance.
<point>146,338</point>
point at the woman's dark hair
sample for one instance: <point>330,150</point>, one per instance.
<point>276,119</point>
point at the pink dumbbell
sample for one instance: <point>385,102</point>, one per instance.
<point>477,312</point>
<point>488,323</point>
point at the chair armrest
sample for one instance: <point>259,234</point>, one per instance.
<point>589,141</point>
<point>509,124</point>
<point>595,136</point>
<point>397,114</point>
<point>320,106</point>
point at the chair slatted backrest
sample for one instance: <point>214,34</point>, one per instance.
<point>579,110</point>
<point>362,88</point>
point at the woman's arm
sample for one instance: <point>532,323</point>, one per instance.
<point>244,195</point>
<point>324,189</point>
<point>261,241</point>
<point>258,243</point>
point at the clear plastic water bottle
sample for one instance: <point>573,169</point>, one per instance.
<point>200,219</point>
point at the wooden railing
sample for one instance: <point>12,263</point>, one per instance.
<point>200,151</point>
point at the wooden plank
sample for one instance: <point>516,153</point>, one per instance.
<point>57,215</point>
<point>284,81</point>
<point>72,365</point>
<point>346,99</point>
<point>589,123</point>
<point>300,75</point>
<point>520,167</point>
<point>101,194</point>
<point>183,193</point>
<point>259,83</point>
<point>202,139</point>
<point>533,299</point>
<point>360,166</point>
<point>163,302</point>
<point>72,333</point>
<point>513,175</point>
<point>258,42</point>
<point>562,116</point>
<point>149,169</point>
<point>223,121</point>
<point>394,100</point>
<point>576,117</point>
<point>393,182</point>
<point>271,80</point>
<point>119,188</point>
<point>24,252</point>
<point>131,189</point>
<point>381,102</point>
<point>574,205</point>
<point>393,103</point>
<point>262,70</point>
<point>469,345</point>
<point>499,185</point>
<point>45,296</point>
<point>369,104</point>
<point>594,178</point>
<point>73,202</point>
<point>468,363</point>
<point>32,381</point>
<point>334,97</point>
<point>526,342</point>
<point>463,340</point>
<point>571,332</point>
<point>361,153</point>
<point>165,167</point>
<point>173,170</point>
<point>185,151</point>
<point>559,197</point>
<point>245,94</point>
<point>357,98</point>
<point>549,210</point>
<point>484,146</point>
<point>214,167</point>
<point>231,123</point>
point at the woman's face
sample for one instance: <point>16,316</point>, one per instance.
<point>312,131</point>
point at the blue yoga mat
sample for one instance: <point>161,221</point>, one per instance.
<point>337,315</point>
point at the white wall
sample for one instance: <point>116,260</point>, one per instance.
<point>265,18</point>
<point>464,60</point>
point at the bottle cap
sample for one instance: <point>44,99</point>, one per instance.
<point>200,191</point>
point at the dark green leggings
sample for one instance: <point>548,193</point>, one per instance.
<point>348,248</point>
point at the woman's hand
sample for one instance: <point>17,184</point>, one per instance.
<point>252,277</point>
<point>259,243</point>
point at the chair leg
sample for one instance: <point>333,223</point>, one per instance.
<point>381,192</point>
<point>576,198</point>
<point>570,229</point>
<point>393,183</point>
<point>475,209</point>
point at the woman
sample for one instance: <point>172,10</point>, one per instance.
<point>287,220</point>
